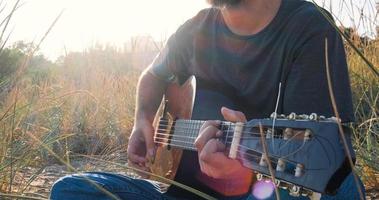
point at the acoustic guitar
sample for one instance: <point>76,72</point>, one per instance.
<point>305,151</point>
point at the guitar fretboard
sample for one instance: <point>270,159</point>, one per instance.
<point>184,133</point>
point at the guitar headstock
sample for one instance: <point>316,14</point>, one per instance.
<point>304,151</point>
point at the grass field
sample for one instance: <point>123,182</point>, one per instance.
<point>83,104</point>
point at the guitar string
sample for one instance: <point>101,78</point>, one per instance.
<point>293,162</point>
<point>248,132</point>
<point>194,137</point>
<point>161,136</point>
<point>277,135</point>
<point>239,151</point>
<point>189,137</point>
<point>248,154</point>
<point>289,140</point>
<point>295,151</point>
<point>192,148</point>
<point>190,144</point>
<point>162,128</point>
<point>201,122</point>
<point>196,127</point>
<point>275,115</point>
<point>251,134</point>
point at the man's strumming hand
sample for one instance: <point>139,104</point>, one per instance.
<point>141,146</point>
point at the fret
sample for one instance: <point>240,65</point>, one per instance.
<point>227,135</point>
<point>185,132</point>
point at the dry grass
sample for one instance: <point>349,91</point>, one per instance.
<point>77,107</point>
<point>84,104</point>
<point>365,87</point>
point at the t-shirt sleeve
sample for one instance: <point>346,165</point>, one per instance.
<point>170,64</point>
<point>306,89</point>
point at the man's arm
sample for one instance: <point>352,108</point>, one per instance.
<point>150,90</point>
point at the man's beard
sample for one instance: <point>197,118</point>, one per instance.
<point>226,3</point>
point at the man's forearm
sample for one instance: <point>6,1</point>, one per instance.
<point>150,90</point>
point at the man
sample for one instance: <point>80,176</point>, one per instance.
<point>246,48</point>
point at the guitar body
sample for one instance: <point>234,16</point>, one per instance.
<point>177,103</point>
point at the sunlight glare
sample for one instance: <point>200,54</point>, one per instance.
<point>263,189</point>
<point>86,22</point>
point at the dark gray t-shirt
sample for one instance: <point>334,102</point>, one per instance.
<point>290,51</point>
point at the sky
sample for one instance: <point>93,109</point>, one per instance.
<point>86,22</point>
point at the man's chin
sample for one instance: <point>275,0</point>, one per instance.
<point>224,3</point>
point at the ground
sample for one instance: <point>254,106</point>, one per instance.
<point>41,185</point>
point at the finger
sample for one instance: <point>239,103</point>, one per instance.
<point>212,148</point>
<point>149,142</point>
<point>139,169</point>
<point>215,123</point>
<point>135,158</point>
<point>233,115</point>
<point>206,133</point>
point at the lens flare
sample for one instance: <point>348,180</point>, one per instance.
<point>263,189</point>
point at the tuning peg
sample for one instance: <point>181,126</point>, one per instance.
<point>263,161</point>
<point>335,119</point>
<point>274,115</point>
<point>292,116</point>
<point>277,182</point>
<point>281,165</point>
<point>288,132</point>
<point>299,170</point>
<point>295,191</point>
<point>303,116</point>
<point>307,134</point>
<point>259,177</point>
<point>313,117</point>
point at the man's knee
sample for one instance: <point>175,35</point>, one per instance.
<point>74,185</point>
<point>101,185</point>
<point>60,186</point>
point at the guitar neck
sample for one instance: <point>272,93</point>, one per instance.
<point>183,133</point>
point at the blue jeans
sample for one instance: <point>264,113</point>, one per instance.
<point>108,186</point>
